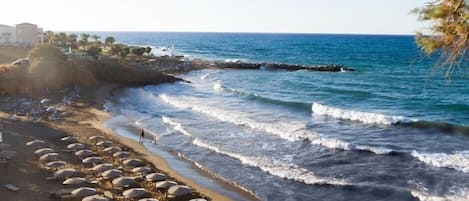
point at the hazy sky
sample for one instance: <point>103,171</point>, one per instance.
<point>298,16</point>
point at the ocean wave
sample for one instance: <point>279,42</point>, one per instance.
<point>176,126</point>
<point>458,160</point>
<point>364,117</point>
<point>218,87</point>
<point>204,77</point>
<point>276,168</point>
<point>424,196</point>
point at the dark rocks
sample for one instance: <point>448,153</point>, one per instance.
<point>280,66</point>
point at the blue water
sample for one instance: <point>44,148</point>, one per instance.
<point>395,129</point>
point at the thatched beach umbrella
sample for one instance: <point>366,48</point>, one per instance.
<point>102,167</point>
<point>49,157</point>
<point>36,143</point>
<point>132,162</point>
<point>179,191</point>
<point>92,160</point>
<point>111,174</point>
<point>94,198</point>
<point>64,173</point>
<point>56,164</point>
<point>104,143</point>
<point>74,181</point>
<point>112,150</point>
<point>121,154</point>
<point>142,170</point>
<point>148,199</point>
<point>76,146</point>
<point>163,185</point>
<point>153,177</point>
<point>84,191</point>
<point>84,153</point>
<point>43,151</point>
<point>69,139</point>
<point>96,138</point>
<point>134,193</point>
<point>123,181</point>
<point>7,154</point>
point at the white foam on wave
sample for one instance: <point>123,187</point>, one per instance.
<point>289,130</point>
<point>276,168</point>
<point>233,60</point>
<point>424,196</point>
<point>458,160</point>
<point>364,117</point>
<point>176,126</point>
<point>203,77</point>
<point>218,87</point>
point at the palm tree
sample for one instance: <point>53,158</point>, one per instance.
<point>72,40</point>
<point>84,39</point>
<point>109,40</point>
<point>95,38</point>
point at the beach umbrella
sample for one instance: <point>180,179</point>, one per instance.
<point>69,139</point>
<point>94,198</point>
<point>105,143</point>
<point>112,150</point>
<point>56,164</point>
<point>49,157</point>
<point>134,193</point>
<point>111,174</point>
<point>43,151</point>
<point>64,173</point>
<point>123,181</point>
<point>45,101</point>
<point>36,143</point>
<point>92,160</point>
<point>178,191</point>
<point>155,177</point>
<point>76,146</point>
<point>84,153</point>
<point>143,170</point>
<point>148,199</point>
<point>74,181</point>
<point>7,154</point>
<point>164,184</point>
<point>198,199</point>
<point>102,167</point>
<point>95,138</point>
<point>121,154</point>
<point>132,162</point>
<point>84,191</point>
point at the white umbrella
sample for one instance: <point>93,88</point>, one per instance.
<point>104,143</point>
<point>45,101</point>
<point>84,153</point>
<point>132,162</point>
<point>43,151</point>
<point>94,198</point>
<point>198,199</point>
<point>76,146</point>
<point>96,137</point>
<point>111,174</point>
<point>49,157</point>
<point>36,143</point>
<point>69,139</point>
<point>134,193</point>
<point>102,167</point>
<point>155,177</point>
<point>143,170</point>
<point>56,164</point>
<point>92,160</point>
<point>7,154</point>
<point>123,181</point>
<point>84,191</point>
<point>164,184</point>
<point>74,181</point>
<point>64,173</point>
<point>148,199</point>
<point>121,154</point>
<point>178,191</point>
<point>112,150</point>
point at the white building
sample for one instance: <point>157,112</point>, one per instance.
<point>7,35</point>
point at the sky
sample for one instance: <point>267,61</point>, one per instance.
<point>268,16</point>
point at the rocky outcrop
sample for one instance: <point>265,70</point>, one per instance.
<point>280,66</point>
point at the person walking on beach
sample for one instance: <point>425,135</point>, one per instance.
<point>142,136</point>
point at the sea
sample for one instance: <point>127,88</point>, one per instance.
<point>395,129</point>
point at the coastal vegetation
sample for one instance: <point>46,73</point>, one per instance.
<point>448,34</point>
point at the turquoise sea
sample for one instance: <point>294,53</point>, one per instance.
<point>395,129</point>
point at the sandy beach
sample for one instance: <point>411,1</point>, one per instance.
<point>84,119</point>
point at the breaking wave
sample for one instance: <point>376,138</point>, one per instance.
<point>364,117</point>
<point>176,126</point>
<point>276,168</point>
<point>458,160</point>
